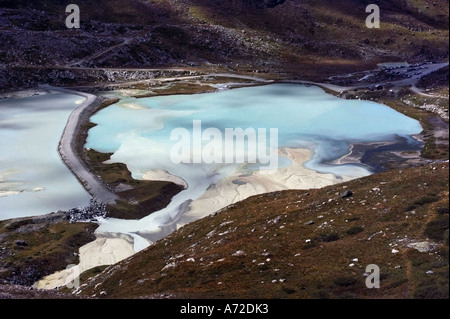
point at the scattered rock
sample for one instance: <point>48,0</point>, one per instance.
<point>168,266</point>
<point>91,213</point>
<point>347,194</point>
<point>239,253</point>
<point>21,243</point>
<point>422,246</point>
<point>308,223</point>
<point>226,223</point>
<point>275,221</point>
<point>395,251</point>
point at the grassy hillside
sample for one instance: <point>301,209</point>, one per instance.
<point>300,244</point>
<point>32,248</point>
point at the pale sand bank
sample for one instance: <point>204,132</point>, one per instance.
<point>163,176</point>
<point>133,106</point>
<point>9,187</point>
<point>236,188</point>
<point>7,193</point>
<point>107,249</point>
<point>111,248</point>
<point>14,188</point>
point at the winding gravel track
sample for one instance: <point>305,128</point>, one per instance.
<point>67,147</point>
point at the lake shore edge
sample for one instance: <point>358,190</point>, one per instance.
<point>318,84</point>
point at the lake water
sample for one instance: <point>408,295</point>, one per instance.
<point>138,131</point>
<point>33,179</point>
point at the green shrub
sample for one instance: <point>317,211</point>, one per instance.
<point>13,225</point>
<point>345,281</point>
<point>354,230</point>
<point>411,207</point>
<point>426,200</point>
<point>436,228</point>
<point>289,291</point>
<point>431,291</point>
<point>443,211</point>
<point>329,237</point>
<point>309,245</point>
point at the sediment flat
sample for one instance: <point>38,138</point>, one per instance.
<point>236,188</point>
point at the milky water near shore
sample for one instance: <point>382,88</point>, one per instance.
<point>33,179</point>
<point>137,132</point>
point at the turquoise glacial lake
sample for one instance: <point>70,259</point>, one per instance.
<point>33,179</point>
<point>138,131</point>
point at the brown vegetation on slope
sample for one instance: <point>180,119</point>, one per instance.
<point>304,244</point>
<point>32,248</point>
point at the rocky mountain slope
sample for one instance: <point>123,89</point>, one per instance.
<point>303,244</point>
<point>305,38</point>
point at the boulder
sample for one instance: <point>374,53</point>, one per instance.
<point>239,253</point>
<point>347,194</point>
<point>21,243</point>
<point>423,246</point>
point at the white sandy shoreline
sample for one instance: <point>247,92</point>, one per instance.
<point>236,188</point>
<point>111,248</point>
<point>106,250</point>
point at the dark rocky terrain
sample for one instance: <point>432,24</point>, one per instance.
<point>309,39</point>
<point>22,292</point>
